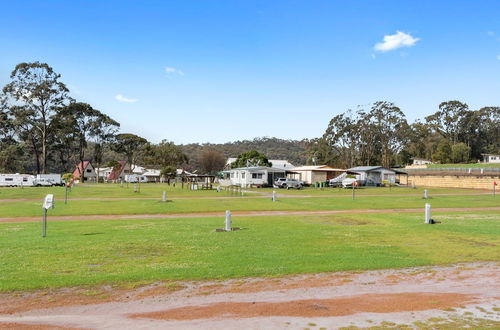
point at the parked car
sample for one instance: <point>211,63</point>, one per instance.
<point>287,183</point>
<point>44,182</point>
<point>350,182</point>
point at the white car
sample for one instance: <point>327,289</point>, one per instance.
<point>287,183</point>
<point>44,182</point>
<point>349,182</point>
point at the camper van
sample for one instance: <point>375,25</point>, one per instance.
<point>16,180</point>
<point>48,180</point>
<point>135,178</point>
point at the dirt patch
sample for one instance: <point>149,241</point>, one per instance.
<point>17,302</point>
<point>238,214</point>
<point>371,303</point>
<point>19,326</point>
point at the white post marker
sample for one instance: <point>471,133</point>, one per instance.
<point>164,196</point>
<point>228,221</point>
<point>48,203</point>
<point>274,196</point>
<point>426,194</point>
<point>427,213</point>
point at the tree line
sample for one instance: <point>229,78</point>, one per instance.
<point>381,135</point>
<point>43,129</point>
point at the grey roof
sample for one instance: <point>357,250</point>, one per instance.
<point>258,168</point>
<point>368,168</point>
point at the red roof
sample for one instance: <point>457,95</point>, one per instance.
<point>80,168</point>
<point>115,173</point>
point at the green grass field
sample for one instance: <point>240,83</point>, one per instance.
<point>83,253</point>
<point>144,206</point>
<point>110,251</point>
<point>156,191</point>
<point>473,165</point>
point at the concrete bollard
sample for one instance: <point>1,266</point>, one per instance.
<point>426,194</point>
<point>228,221</point>
<point>427,213</point>
<point>164,196</point>
<point>274,196</point>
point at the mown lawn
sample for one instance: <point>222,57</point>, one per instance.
<point>152,190</point>
<point>144,206</point>
<point>105,190</point>
<point>473,165</point>
<point>394,191</point>
<point>87,253</point>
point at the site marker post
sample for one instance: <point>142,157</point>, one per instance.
<point>274,196</point>
<point>48,203</point>
<point>427,213</point>
<point>494,188</point>
<point>164,196</point>
<point>426,194</point>
<point>228,221</point>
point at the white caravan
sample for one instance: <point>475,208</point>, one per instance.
<point>16,180</point>
<point>135,178</point>
<point>49,180</point>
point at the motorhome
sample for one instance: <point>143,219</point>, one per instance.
<point>135,178</point>
<point>49,180</point>
<point>16,180</point>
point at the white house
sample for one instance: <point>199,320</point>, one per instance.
<point>152,175</point>
<point>490,158</point>
<point>374,175</point>
<point>86,170</point>
<point>276,163</point>
<point>257,176</point>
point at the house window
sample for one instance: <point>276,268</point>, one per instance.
<point>25,179</point>
<point>232,175</point>
<point>89,170</point>
<point>9,179</point>
<point>242,175</point>
<point>256,175</point>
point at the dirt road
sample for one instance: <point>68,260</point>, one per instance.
<point>455,293</point>
<point>238,214</point>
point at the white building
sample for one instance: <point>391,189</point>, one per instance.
<point>255,176</point>
<point>276,163</point>
<point>490,158</point>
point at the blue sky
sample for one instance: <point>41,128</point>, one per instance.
<point>217,71</point>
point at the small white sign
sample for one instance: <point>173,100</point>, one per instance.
<point>48,203</point>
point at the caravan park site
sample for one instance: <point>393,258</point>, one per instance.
<point>109,246</point>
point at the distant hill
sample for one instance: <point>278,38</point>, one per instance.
<point>292,150</point>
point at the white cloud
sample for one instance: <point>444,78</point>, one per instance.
<point>395,41</point>
<point>122,98</point>
<point>170,70</point>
